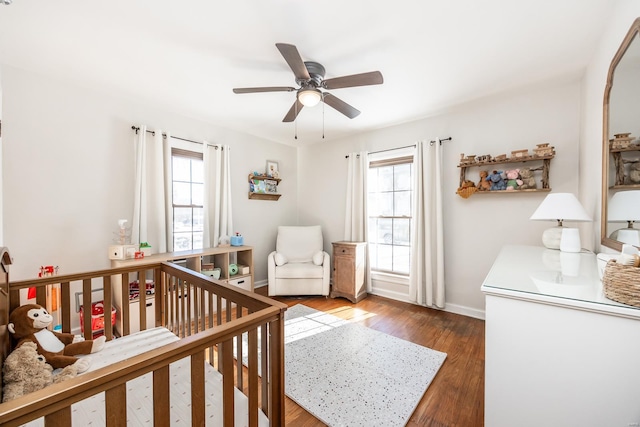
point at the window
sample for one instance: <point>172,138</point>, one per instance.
<point>390,196</point>
<point>188,190</point>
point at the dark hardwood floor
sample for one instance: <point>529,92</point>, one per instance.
<point>456,395</point>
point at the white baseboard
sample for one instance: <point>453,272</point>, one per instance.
<point>451,308</point>
<point>261,283</point>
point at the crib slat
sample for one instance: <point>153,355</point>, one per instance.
<point>115,399</point>
<point>161,408</point>
<point>60,418</point>
<point>276,365</point>
<point>86,307</point>
<point>263,364</point>
<point>124,284</point>
<point>65,297</point>
<point>227,383</point>
<point>253,377</point>
<point>108,303</point>
<point>142,298</point>
<point>197,389</point>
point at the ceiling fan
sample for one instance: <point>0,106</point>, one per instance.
<point>310,77</point>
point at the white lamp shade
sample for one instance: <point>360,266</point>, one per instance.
<point>309,97</point>
<point>560,207</point>
<point>624,206</point>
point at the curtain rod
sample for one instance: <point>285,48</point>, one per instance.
<point>406,146</point>
<point>164,135</point>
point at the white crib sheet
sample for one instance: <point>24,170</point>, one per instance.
<point>90,412</point>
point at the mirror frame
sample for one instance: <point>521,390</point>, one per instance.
<point>604,239</point>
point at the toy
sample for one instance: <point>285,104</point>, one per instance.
<point>466,189</point>
<point>528,181</point>
<point>513,181</point>
<point>25,371</point>
<point>28,323</point>
<point>497,180</point>
<point>634,173</point>
<point>483,184</point>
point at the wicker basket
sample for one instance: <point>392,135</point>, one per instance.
<point>622,283</point>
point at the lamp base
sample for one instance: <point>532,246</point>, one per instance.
<point>627,235</point>
<point>570,240</point>
<point>551,237</point>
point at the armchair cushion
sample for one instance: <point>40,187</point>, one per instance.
<point>280,259</point>
<point>318,257</point>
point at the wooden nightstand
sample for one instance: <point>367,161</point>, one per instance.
<point>348,270</point>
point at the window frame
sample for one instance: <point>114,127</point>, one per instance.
<point>400,157</point>
<point>191,155</point>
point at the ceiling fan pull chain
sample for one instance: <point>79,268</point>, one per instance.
<point>323,120</point>
<point>295,121</point>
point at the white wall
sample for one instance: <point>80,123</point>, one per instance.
<point>68,173</point>
<point>591,130</point>
<point>475,228</point>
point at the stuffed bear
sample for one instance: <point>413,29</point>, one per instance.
<point>483,184</point>
<point>634,173</point>
<point>528,181</point>
<point>496,178</point>
<point>25,371</point>
<point>513,181</point>
<point>28,323</point>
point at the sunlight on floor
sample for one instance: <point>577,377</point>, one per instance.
<point>350,313</point>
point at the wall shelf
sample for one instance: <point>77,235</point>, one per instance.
<point>491,165</point>
<point>265,183</point>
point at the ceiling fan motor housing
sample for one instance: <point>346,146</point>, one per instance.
<point>316,72</point>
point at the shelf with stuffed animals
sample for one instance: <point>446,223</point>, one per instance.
<point>499,180</point>
<point>624,149</point>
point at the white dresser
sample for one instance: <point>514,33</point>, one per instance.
<point>558,352</point>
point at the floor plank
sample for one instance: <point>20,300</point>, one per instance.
<point>456,395</point>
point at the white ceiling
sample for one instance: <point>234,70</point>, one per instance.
<point>187,55</point>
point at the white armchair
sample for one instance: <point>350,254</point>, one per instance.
<point>299,265</point>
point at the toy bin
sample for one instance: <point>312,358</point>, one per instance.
<point>97,318</point>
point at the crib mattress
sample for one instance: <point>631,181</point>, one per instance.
<point>90,411</point>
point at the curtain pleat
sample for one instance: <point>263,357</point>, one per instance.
<point>218,219</point>
<point>426,284</point>
<point>356,215</point>
<point>150,190</point>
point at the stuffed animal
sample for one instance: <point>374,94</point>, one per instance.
<point>528,181</point>
<point>28,323</point>
<point>483,184</point>
<point>496,178</point>
<point>25,371</point>
<point>634,173</point>
<point>513,181</point>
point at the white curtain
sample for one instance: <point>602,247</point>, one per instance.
<point>356,216</point>
<point>426,284</point>
<point>217,194</point>
<point>152,218</point>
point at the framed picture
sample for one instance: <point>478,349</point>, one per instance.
<point>271,186</point>
<point>272,169</point>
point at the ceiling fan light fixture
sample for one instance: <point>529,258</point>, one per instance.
<point>309,97</point>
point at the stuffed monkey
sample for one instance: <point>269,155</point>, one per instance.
<point>29,323</point>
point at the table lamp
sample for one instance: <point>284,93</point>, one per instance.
<point>624,206</point>
<point>561,207</point>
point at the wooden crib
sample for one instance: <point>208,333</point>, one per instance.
<point>209,317</point>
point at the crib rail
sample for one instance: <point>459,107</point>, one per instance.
<point>209,316</point>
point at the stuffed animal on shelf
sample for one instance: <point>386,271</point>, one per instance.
<point>484,184</point>
<point>497,180</point>
<point>634,173</point>
<point>28,323</point>
<point>25,371</point>
<point>466,189</point>
<point>513,179</point>
<point>528,181</point>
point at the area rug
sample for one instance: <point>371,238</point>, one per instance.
<point>346,374</point>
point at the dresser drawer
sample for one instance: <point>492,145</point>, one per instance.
<point>344,250</point>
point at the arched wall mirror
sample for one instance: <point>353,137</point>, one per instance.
<point>621,146</point>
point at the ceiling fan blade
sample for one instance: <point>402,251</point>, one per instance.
<point>291,55</point>
<point>293,111</point>
<point>263,89</point>
<point>340,105</point>
<point>363,79</point>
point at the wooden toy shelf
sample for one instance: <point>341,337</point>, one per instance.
<point>491,165</point>
<point>619,161</point>
<point>263,195</point>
